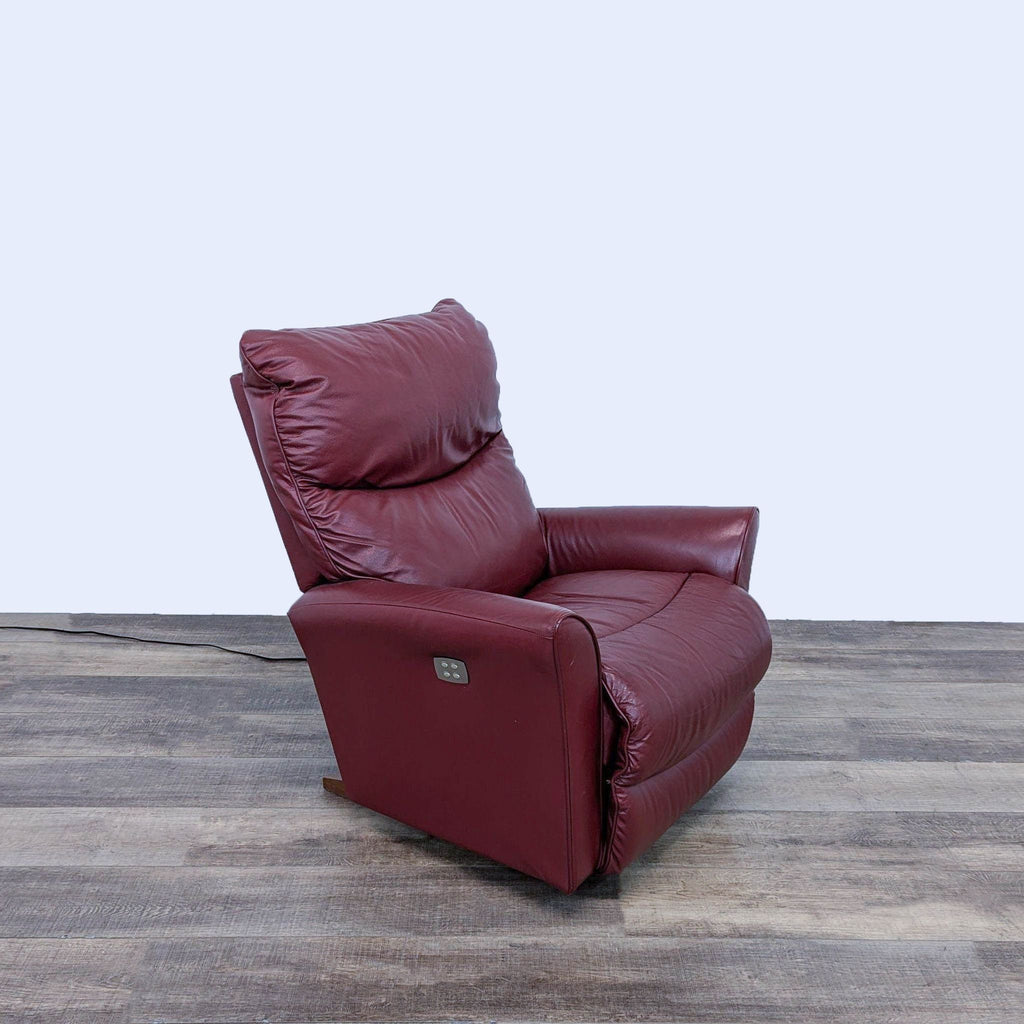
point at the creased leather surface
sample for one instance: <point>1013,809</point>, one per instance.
<point>471,528</point>
<point>676,667</point>
<point>384,445</point>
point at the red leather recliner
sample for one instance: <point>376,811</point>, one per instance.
<point>549,687</point>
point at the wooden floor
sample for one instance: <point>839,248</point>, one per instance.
<point>167,852</point>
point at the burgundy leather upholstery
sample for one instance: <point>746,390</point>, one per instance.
<point>715,540</point>
<point>306,573</point>
<point>681,654</point>
<point>385,447</point>
<point>508,765</point>
<point>612,653</point>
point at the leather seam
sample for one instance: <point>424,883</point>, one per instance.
<point>444,611</point>
<point>288,465</point>
<point>742,548</point>
<point>545,533</point>
<point>567,776</point>
<point>606,855</point>
<point>657,611</point>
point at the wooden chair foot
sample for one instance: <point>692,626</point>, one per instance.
<point>335,786</point>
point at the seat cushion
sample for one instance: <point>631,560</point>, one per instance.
<point>680,654</point>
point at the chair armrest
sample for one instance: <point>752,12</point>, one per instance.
<point>507,764</point>
<point>719,541</point>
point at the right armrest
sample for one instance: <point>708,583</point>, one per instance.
<point>719,541</point>
<point>508,764</point>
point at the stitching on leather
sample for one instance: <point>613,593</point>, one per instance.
<point>657,611</point>
<point>565,737</point>
<point>567,777</point>
<point>606,854</point>
<point>441,611</point>
<point>743,547</point>
<point>288,466</point>
<point>546,537</point>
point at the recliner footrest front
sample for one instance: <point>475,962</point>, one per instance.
<point>640,812</point>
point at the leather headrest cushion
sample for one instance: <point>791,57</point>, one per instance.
<point>382,404</point>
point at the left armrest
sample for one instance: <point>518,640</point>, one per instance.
<point>719,541</point>
<point>506,760</point>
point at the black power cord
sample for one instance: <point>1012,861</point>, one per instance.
<point>154,640</point>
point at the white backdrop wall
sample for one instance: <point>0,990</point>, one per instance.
<point>728,253</point>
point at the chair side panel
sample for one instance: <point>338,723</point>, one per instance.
<point>506,764</point>
<point>306,573</point>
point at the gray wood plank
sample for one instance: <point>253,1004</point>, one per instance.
<point>336,832</point>
<point>773,737</point>
<point>162,781</point>
<point>330,832</point>
<point>925,664</point>
<point>343,979</point>
<point>71,981</point>
<point>510,977</point>
<point>869,786</point>
<point>796,900</point>
<point>266,634</point>
<point>895,636</point>
<point>970,841</point>
<point>286,689</point>
<point>82,655</point>
<point>29,619</point>
<point>828,697</point>
<point>18,637</point>
<point>442,894</point>
<point>808,899</point>
<point>301,734</point>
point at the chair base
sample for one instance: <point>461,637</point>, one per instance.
<point>336,787</point>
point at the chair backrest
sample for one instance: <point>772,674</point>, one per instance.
<point>383,454</point>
